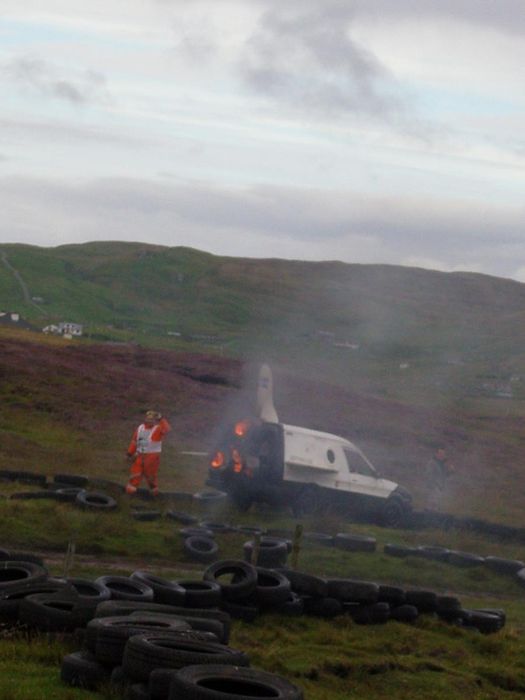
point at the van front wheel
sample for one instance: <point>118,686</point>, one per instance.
<point>393,513</point>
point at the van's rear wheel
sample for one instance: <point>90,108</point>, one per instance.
<point>242,501</point>
<point>308,501</point>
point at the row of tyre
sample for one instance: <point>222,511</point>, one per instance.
<point>512,567</point>
<point>162,650</point>
<point>132,626</point>
<point>200,545</point>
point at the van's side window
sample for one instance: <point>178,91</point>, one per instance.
<point>330,456</point>
<point>358,465</point>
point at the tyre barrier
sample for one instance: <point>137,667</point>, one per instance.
<point>273,552</point>
<point>139,637</point>
<point>95,500</point>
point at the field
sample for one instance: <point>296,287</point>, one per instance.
<point>327,658</point>
<point>71,406</point>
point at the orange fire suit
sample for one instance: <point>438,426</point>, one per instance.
<point>146,447</point>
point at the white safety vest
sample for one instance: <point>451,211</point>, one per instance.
<point>145,444</point>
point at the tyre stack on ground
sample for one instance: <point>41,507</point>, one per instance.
<point>249,591</point>
<point>154,638</point>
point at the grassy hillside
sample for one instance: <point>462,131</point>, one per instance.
<point>139,291</point>
<point>67,406</point>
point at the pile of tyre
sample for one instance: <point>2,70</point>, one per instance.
<point>501,565</point>
<point>255,590</point>
<point>147,636</point>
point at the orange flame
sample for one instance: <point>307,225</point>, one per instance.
<point>237,461</point>
<point>218,460</point>
<point>241,428</point>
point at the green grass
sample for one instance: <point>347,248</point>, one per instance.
<point>328,659</point>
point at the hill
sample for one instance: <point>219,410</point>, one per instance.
<point>66,406</point>
<point>415,335</point>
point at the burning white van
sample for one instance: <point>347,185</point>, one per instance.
<point>262,459</point>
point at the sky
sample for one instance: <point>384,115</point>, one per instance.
<point>367,131</point>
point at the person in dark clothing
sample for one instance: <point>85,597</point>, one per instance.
<point>437,472</point>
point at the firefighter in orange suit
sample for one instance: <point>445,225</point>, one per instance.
<point>144,449</point>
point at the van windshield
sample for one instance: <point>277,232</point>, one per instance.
<point>357,464</point>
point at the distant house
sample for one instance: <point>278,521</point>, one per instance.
<point>65,328</point>
<point>14,320</point>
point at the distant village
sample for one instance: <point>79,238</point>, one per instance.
<point>65,328</point>
<point>487,385</point>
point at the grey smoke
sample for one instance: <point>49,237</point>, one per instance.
<point>40,76</point>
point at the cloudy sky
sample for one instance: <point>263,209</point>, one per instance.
<point>387,131</point>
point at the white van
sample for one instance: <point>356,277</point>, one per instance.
<point>312,471</point>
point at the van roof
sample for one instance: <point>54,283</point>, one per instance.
<point>330,437</point>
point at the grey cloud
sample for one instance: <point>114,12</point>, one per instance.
<point>58,131</point>
<point>506,16</point>
<point>306,58</point>
<point>340,224</point>
<point>40,76</point>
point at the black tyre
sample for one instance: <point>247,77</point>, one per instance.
<point>242,501</point>
<point>146,652</point>
<point>209,499</point>
<point>90,591</point>
<point>244,610</point>
<point>159,682</point>
<point>374,614</point>
<point>213,682</point>
<point>51,612</point>
<point>249,530</point>
<point>433,553</point>
<point>293,606</point>
<point>11,598</point>
<point>399,550</point>
<point>138,691</point>
<point>404,613</point>
<point>394,513</point>
<point>242,582</point>
<point>322,607</point>
<point>424,601</point>
<point>93,500</point>
<point>196,532</point>
<point>465,559</point>
<point>393,595</point>
<point>28,477</point>
<point>202,549</point>
<point>124,588</point>
<point>348,590</point>
<point>33,496</point>
<point>487,623</point>
<point>355,543</point>
<point>306,584</point>
<point>13,573</point>
<point>181,517</point>
<point>201,594</point>
<point>146,515</point>
<point>167,592</point>
<point>308,501</point>
<point>204,619</point>
<point>215,527</point>
<point>273,552</point>
<point>114,632</point>
<point>68,493</point>
<point>71,480</point>
<point>272,589</point>
<point>81,670</point>
<point>504,566</point>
